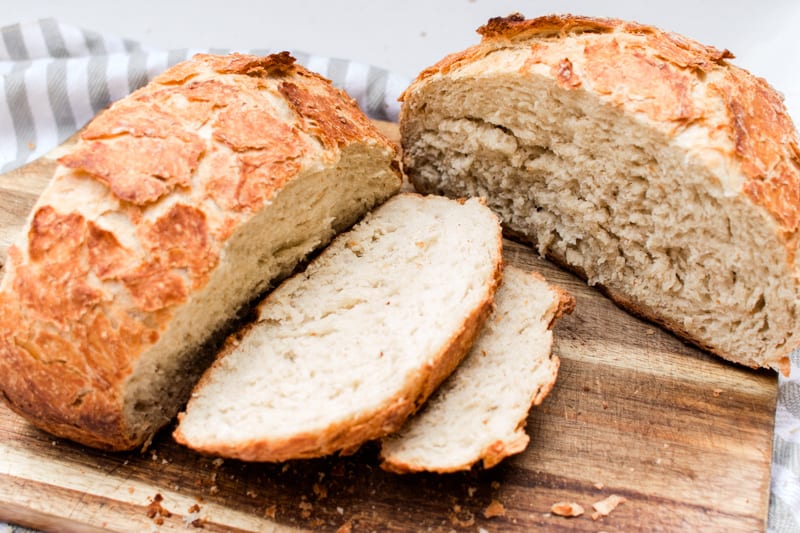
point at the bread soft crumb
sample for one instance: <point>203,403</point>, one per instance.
<point>566,509</point>
<point>605,506</point>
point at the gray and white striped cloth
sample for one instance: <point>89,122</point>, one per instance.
<point>54,78</point>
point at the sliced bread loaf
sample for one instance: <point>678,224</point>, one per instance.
<point>479,412</point>
<point>641,159</point>
<point>345,351</point>
<point>178,206</point>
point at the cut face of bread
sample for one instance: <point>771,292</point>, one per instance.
<point>479,412</point>
<point>345,351</point>
<point>642,160</point>
<point>178,206</point>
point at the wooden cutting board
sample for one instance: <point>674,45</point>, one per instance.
<point>684,437</point>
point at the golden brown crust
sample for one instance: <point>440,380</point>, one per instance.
<point>646,70</point>
<point>176,168</point>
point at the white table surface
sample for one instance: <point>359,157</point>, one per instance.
<point>407,36</point>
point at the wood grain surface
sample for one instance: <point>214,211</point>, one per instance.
<point>684,437</point>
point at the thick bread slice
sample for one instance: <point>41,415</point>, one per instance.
<point>640,159</point>
<point>345,351</point>
<point>479,412</point>
<point>176,208</point>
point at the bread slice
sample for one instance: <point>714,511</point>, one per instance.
<point>642,160</point>
<point>345,351</point>
<point>479,412</point>
<point>178,206</point>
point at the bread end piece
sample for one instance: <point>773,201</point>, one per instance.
<point>479,413</point>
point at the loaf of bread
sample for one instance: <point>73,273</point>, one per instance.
<point>479,413</point>
<point>644,161</point>
<point>345,351</point>
<point>179,205</point>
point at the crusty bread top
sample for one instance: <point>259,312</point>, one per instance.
<point>660,80</point>
<point>136,218</point>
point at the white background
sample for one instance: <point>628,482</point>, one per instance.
<point>407,36</point>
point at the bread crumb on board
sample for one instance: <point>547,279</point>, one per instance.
<point>347,527</point>
<point>495,508</point>
<point>566,509</point>
<point>605,506</point>
<point>193,517</point>
<point>155,511</point>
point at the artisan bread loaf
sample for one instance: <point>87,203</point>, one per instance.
<point>642,160</point>
<point>345,351</point>
<point>479,412</point>
<point>178,206</point>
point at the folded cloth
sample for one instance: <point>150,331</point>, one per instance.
<point>54,78</point>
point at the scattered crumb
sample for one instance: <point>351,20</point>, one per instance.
<point>193,517</point>
<point>598,486</point>
<point>156,511</point>
<point>131,490</point>
<point>320,491</point>
<point>469,521</point>
<point>271,511</point>
<point>423,34</point>
<point>604,507</point>
<point>218,462</point>
<point>347,527</point>
<point>495,485</point>
<point>650,331</point>
<point>495,508</point>
<point>471,491</point>
<point>32,146</point>
<point>251,493</point>
<point>717,392</point>
<point>566,509</point>
<point>340,510</point>
<point>305,509</point>
<point>213,489</point>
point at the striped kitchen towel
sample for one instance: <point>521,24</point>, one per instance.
<point>54,78</point>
